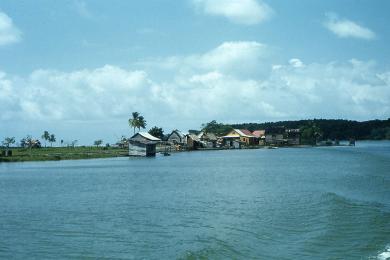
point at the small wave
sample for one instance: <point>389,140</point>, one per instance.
<point>385,255</point>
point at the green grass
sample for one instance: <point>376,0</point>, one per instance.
<point>62,153</point>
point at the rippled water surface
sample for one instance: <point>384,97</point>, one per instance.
<point>309,203</point>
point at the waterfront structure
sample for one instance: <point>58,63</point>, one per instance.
<point>143,144</point>
<point>242,136</point>
<point>260,136</point>
<point>193,142</point>
<point>177,138</point>
<point>209,140</point>
<point>275,136</point>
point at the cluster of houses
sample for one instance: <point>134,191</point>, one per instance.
<point>144,144</point>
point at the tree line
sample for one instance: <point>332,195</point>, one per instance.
<point>332,128</point>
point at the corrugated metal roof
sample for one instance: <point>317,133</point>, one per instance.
<point>194,137</point>
<point>148,136</point>
<point>244,132</point>
<point>240,132</point>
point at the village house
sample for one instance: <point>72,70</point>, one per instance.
<point>143,144</point>
<point>241,136</point>
<point>209,140</point>
<point>275,136</point>
<point>260,136</point>
<point>177,138</point>
<point>193,142</point>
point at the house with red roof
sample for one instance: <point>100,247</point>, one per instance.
<point>241,136</point>
<point>260,136</point>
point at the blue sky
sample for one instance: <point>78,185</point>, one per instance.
<point>79,68</point>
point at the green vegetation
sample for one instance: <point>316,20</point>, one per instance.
<point>310,133</point>
<point>63,153</point>
<point>137,121</point>
<point>333,128</point>
<point>8,141</point>
<point>157,132</point>
<point>46,136</point>
<point>315,129</point>
<point>216,128</point>
<point>97,143</point>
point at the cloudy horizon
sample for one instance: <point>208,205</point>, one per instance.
<point>80,68</point>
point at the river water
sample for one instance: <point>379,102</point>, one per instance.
<point>290,203</point>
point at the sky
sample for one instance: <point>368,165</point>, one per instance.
<point>79,68</point>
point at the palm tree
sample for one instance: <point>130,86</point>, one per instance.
<point>46,136</point>
<point>133,122</point>
<point>52,139</point>
<point>141,123</point>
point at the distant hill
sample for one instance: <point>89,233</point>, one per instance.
<point>333,128</point>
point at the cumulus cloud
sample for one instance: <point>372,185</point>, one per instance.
<point>344,28</point>
<point>202,87</point>
<point>238,58</point>
<point>247,12</point>
<point>9,33</point>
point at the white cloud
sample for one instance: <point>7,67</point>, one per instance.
<point>344,28</point>
<point>240,57</point>
<point>247,12</point>
<point>296,63</point>
<point>202,87</point>
<point>9,33</point>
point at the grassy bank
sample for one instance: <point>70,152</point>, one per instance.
<point>62,153</point>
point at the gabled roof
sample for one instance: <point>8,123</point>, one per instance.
<point>180,134</point>
<point>194,137</point>
<point>147,136</point>
<point>209,136</point>
<point>258,133</point>
<point>245,132</point>
<point>241,133</point>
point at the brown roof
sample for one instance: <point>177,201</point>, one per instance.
<point>259,133</point>
<point>246,132</point>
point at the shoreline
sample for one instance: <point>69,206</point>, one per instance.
<point>62,153</point>
<point>85,153</point>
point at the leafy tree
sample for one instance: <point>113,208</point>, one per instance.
<point>29,142</point>
<point>331,128</point>
<point>218,129</point>
<point>157,132</point>
<point>46,136</point>
<point>8,141</point>
<point>98,142</point>
<point>133,122</point>
<point>62,142</point>
<point>380,133</point>
<point>310,133</point>
<point>52,139</point>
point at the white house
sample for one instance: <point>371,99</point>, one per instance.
<point>143,144</point>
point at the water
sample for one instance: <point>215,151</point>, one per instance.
<point>311,203</point>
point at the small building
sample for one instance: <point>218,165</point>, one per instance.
<point>143,144</point>
<point>260,136</point>
<point>243,136</point>
<point>177,138</point>
<point>275,136</point>
<point>193,142</point>
<point>208,139</point>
